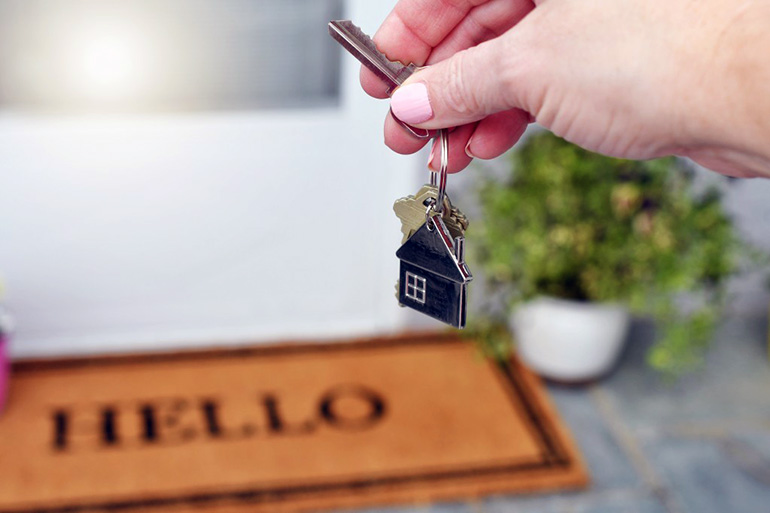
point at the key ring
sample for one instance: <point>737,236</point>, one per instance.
<point>437,205</point>
<point>443,135</point>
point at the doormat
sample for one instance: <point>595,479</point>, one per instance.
<point>278,428</point>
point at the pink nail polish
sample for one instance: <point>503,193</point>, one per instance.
<point>411,104</point>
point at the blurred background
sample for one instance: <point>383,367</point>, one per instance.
<point>179,172</point>
<point>192,173</point>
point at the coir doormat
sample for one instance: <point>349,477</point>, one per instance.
<point>281,428</point>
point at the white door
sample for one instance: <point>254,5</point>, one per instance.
<point>148,230</point>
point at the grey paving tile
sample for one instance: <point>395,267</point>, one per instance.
<point>454,507</point>
<point>439,507</point>
<point>608,465</point>
<point>389,509</point>
<point>749,454</point>
<point>715,475</point>
<point>528,504</point>
<point>627,503</point>
<point>732,387</point>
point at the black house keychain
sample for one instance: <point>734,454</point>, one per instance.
<point>433,275</point>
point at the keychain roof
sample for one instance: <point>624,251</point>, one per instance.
<point>431,248</point>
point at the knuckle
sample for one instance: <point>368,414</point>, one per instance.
<point>523,70</point>
<point>460,95</point>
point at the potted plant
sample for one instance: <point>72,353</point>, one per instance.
<point>574,242</point>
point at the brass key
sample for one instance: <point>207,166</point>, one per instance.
<point>411,211</point>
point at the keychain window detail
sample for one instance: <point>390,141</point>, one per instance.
<point>415,288</point>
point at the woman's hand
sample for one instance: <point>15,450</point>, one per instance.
<point>634,79</point>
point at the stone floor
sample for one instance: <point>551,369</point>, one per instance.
<point>701,445</point>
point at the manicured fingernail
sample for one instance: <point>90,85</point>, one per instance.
<point>431,157</point>
<point>468,149</point>
<point>411,104</point>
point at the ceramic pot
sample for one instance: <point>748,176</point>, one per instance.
<point>569,341</point>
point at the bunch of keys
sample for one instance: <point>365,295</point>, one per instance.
<point>433,277</point>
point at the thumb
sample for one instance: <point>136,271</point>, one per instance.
<point>467,87</point>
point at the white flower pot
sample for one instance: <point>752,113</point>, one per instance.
<point>569,340</point>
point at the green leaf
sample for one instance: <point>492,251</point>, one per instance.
<point>572,224</point>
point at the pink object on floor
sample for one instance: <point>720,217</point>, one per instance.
<point>4,370</point>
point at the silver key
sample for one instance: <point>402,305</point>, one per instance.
<point>361,46</point>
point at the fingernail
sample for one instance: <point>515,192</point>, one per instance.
<point>468,149</point>
<point>411,104</point>
<point>431,157</point>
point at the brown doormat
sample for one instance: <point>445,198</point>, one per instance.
<point>280,428</point>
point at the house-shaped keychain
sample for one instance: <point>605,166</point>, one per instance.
<point>433,277</point>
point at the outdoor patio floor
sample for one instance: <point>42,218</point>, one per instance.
<point>701,445</point>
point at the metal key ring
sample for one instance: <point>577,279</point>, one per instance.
<point>428,220</point>
<point>443,136</point>
<point>419,133</point>
<point>438,179</point>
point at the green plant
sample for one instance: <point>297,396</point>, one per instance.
<point>576,225</point>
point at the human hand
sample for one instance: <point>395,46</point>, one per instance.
<point>632,79</point>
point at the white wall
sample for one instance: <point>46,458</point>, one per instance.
<point>154,232</point>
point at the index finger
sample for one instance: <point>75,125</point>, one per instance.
<point>412,30</point>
